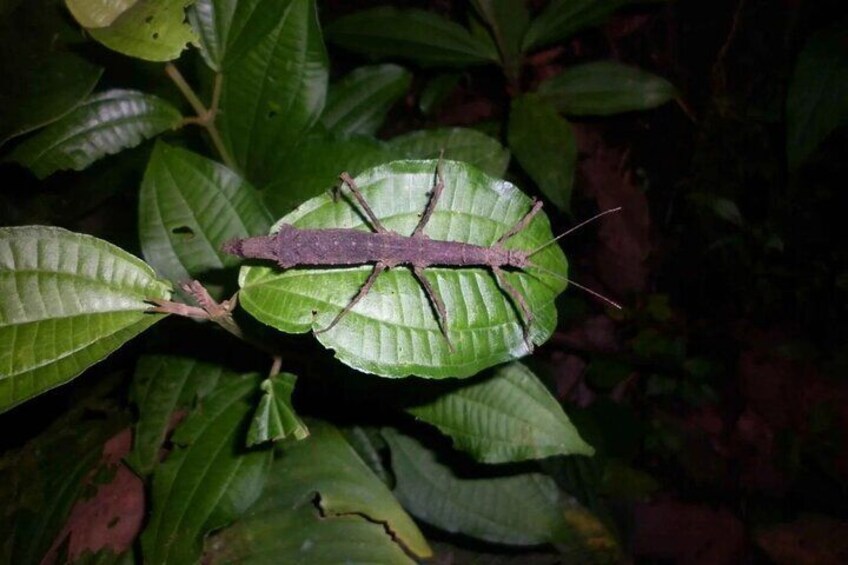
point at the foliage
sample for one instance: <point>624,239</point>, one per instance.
<point>167,128</point>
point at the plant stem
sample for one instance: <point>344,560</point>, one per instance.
<point>205,116</point>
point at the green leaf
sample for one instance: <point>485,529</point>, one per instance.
<point>162,385</point>
<point>458,144</point>
<point>525,509</point>
<point>436,92</point>
<point>509,416</point>
<point>313,167</point>
<point>562,18</point>
<point>605,87</point>
<point>545,147</point>
<point>818,94</point>
<point>275,92</point>
<point>228,28</point>
<point>209,479</point>
<point>423,37</point>
<point>103,125</point>
<point>507,21</point>
<point>275,418</point>
<point>359,102</point>
<point>393,331</point>
<point>321,505</point>
<point>69,300</point>
<point>188,207</point>
<point>153,30</point>
<point>39,90</point>
<point>98,13</point>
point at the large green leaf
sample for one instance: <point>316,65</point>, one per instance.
<point>69,300</point>
<point>393,331</point>
<point>209,479</point>
<point>314,165</point>
<point>525,509</point>
<point>275,418</point>
<point>507,21</point>
<point>103,125</point>
<point>545,146</point>
<point>162,385</point>
<point>41,89</point>
<point>98,13</point>
<point>604,88</point>
<point>189,206</point>
<point>154,30</point>
<point>319,488</point>
<point>424,37</point>
<point>509,416</point>
<point>228,28</point>
<point>458,144</point>
<point>359,102</point>
<point>562,18</point>
<point>275,92</point>
<point>818,94</point>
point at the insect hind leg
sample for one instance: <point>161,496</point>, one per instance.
<point>437,302</point>
<point>363,290</point>
<point>519,302</point>
<point>434,199</point>
<point>372,218</point>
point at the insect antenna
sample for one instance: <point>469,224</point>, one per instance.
<point>575,228</point>
<point>585,289</point>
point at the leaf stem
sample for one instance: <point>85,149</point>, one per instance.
<point>205,116</point>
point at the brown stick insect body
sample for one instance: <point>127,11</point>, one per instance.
<point>293,246</point>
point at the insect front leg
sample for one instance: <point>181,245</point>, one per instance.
<point>378,268</point>
<point>376,225</point>
<point>436,301</point>
<point>521,224</point>
<point>519,301</point>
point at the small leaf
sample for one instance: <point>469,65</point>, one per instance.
<point>69,301</point>
<point>509,416</point>
<point>276,92</point>
<point>507,21</point>
<point>163,384</point>
<point>40,90</point>
<point>359,102</point>
<point>188,207</point>
<point>544,144</point>
<point>153,30</point>
<point>421,36</point>
<point>313,167</point>
<point>98,13</point>
<point>227,29</point>
<point>209,479</point>
<point>562,18</point>
<point>818,94</point>
<point>275,418</point>
<point>604,88</point>
<point>458,144</point>
<point>524,509</point>
<point>436,92</point>
<point>103,125</point>
<point>321,505</point>
<point>393,330</point>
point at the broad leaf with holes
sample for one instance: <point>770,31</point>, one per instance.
<point>508,416</point>
<point>69,300</point>
<point>209,478</point>
<point>275,418</point>
<point>605,87</point>
<point>393,331</point>
<point>276,92</point>
<point>359,102</point>
<point>103,125</point>
<point>423,37</point>
<point>322,504</point>
<point>188,207</point>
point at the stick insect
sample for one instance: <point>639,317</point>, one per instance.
<point>296,247</point>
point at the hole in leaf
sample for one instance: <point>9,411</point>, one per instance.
<point>184,231</point>
<point>148,19</point>
<point>156,35</point>
<point>272,114</point>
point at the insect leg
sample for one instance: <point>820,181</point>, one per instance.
<point>431,204</point>
<point>522,223</point>
<point>436,301</point>
<point>372,218</point>
<point>519,300</point>
<point>378,268</point>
